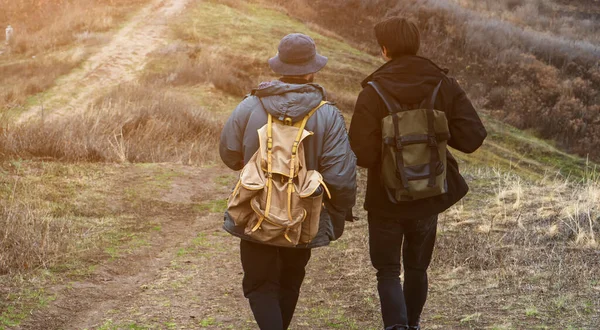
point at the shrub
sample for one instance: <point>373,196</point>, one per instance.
<point>128,125</point>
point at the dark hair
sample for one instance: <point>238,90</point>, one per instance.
<point>399,36</point>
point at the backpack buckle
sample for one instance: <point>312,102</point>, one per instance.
<point>270,143</point>
<point>399,145</point>
<point>287,121</point>
<point>295,148</point>
<point>432,141</point>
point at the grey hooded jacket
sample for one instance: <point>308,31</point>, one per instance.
<point>327,151</point>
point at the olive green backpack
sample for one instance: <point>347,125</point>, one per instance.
<point>413,164</point>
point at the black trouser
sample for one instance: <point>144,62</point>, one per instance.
<point>272,279</point>
<point>389,239</point>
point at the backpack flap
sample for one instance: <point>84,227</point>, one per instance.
<point>285,138</point>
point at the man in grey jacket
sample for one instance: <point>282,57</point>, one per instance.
<point>273,275</point>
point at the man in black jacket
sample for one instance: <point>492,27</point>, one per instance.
<point>407,228</point>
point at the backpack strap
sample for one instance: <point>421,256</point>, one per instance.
<point>390,104</point>
<point>432,138</point>
<point>400,173</point>
<point>269,164</point>
<point>312,112</point>
<point>300,131</point>
<point>269,173</point>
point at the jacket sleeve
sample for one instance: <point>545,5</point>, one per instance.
<point>231,148</point>
<point>338,167</point>
<point>466,129</point>
<point>365,129</point>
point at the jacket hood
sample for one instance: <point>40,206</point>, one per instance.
<point>282,99</point>
<point>409,79</point>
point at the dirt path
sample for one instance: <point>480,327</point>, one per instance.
<point>117,62</point>
<point>172,277</point>
<point>184,272</point>
<point>187,274</point>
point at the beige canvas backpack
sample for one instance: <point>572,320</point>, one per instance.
<point>274,197</point>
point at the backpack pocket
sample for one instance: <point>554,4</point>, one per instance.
<point>312,204</point>
<point>275,229</point>
<point>250,184</point>
<point>310,226</point>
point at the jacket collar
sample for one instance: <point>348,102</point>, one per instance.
<point>294,80</point>
<point>406,62</point>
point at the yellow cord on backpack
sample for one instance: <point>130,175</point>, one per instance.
<point>269,164</point>
<point>295,148</point>
<point>326,189</point>
<point>236,190</point>
<point>258,223</point>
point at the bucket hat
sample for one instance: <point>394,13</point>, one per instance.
<point>297,56</point>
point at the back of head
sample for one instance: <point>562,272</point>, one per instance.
<point>399,37</point>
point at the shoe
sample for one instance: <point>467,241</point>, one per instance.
<point>414,327</point>
<point>398,327</point>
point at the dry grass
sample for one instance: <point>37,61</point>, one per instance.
<point>21,80</point>
<point>173,113</point>
<point>42,26</point>
<point>51,38</point>
<point>574,20</point>
<point>27,237</point>
<point>58,222</point>
<point>190,65</point>
<point>507,257</point>
<point>546,81</point>
<point>547,211</point>
<point>243,58</point>
<point>46,224</point>
<point>531,240</point>
<point>514,243</point>
<point>127,125</point>
<point>180,121</point>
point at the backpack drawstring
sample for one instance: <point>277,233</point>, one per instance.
<point>269,172</point>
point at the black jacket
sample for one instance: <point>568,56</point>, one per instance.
<point>327,151</point>
<point>410,79</point>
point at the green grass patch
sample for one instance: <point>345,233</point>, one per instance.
<point>226,180</point>
<point>206,322</point>
<point>513,150</point>
<point>19,306</point>
<point>200,240</point>
<point>532,311</point>
<point>471,318</point>
<point>214,206</point>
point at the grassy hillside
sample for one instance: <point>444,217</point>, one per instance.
<point>110,219</point>
<point>50,39</point>
<point>535,64</point>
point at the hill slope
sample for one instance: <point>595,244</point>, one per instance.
<point>138,245</point>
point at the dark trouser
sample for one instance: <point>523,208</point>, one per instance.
<point>389,239</point>
<point>272,279</point>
